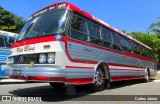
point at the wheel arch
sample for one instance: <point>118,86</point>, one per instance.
<point>105,68</point>
<point>149,72</point>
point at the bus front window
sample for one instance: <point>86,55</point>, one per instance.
<point>45,24</point>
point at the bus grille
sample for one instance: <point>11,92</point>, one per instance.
<point>26,59</point>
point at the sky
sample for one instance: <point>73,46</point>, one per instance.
<point>129,15</point>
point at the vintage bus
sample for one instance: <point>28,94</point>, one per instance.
<point>62,44</point>
<point>6,40</point>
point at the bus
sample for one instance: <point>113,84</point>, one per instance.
<point>62,44</point>
<point>6,40</point>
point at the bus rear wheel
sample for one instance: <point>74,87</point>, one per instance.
<point>99,80</point>
<point>147,76</point>
<point>56,84</point>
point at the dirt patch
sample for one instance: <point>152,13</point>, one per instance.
<point>157,77</point>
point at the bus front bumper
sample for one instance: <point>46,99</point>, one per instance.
<point>50,74</point>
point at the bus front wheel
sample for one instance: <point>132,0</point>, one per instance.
<point>99,80</point>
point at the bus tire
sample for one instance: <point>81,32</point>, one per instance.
<point>147,76</point>
<point>100,82</point>
<point>56,84</point>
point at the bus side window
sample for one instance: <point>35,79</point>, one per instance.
<point>115,42</point>
<point>150,54</point>
<point>76,23</point>
<point>110,39</point>
<point>136,48</point>
<point>83,29</point>
<point>125,43</point>
<point>106,36</point>
<point>76,28</point>
<point>144,52</point>
<point>2,44</point>
<point>93,32</point>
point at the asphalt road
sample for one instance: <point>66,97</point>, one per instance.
<point>81,94</point>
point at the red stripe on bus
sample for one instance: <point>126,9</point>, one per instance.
<point>113,64</point>
<point>80,81</point>
<point>139,57</point>
<point>56,79</point>
<point>126,78</point>
<point>80,67</point>
<point>34,41</point>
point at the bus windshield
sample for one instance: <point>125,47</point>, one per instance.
<point>45,24</point>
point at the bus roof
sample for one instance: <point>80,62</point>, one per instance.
<point>67,5</point>
<point>8,33</point>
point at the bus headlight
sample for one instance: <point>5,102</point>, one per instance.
<point>42,58</point>
<point>10,60</point>
<point>51,58</point>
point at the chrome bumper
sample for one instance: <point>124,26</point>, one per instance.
<point>50,73</point>
<point>35,71</point>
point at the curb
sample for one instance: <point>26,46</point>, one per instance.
<point>156,80</point>
<point>11,81</point>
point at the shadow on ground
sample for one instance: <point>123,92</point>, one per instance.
<point>67,93</point>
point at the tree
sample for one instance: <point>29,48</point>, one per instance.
<point>155,27</point>
<point>9,21</point>
<point>151,40</point>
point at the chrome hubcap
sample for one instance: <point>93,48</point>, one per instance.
<point>147,77</point>
<point>98,77</point>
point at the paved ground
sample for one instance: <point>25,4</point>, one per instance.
<point>81,92</point>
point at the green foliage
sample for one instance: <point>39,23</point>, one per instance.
<point>155,27</point>
<point>152,40</point>
<point>8,20</point>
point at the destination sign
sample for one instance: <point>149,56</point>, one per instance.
<point>53,7</point>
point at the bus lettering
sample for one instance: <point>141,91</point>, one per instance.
<point>25,49</point>
<point>28,48</point>
<point>19,50</point>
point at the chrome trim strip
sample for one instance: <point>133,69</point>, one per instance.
<point>117,73</point>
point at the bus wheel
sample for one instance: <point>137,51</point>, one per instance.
<point>99,80</point>
<point>56,84</point>
<point>147,76</point>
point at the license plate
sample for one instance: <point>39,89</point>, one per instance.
<point>17,72</point>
